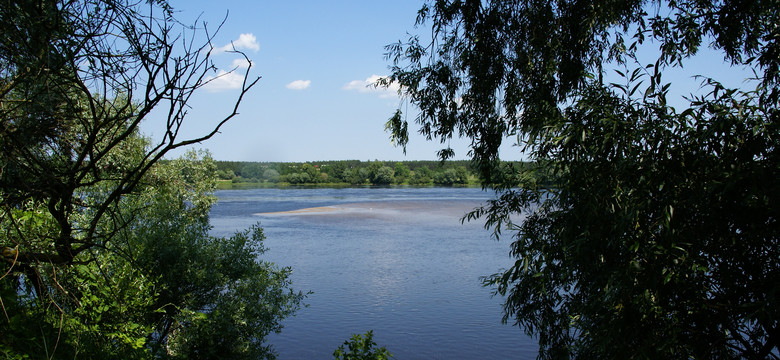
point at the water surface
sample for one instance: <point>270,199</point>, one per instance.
<point>394,260</point>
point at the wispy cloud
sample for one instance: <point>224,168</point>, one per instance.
<point>232,79</point>
<point>224,81</point>
<point>299,85</point>
<point>368,86</point>
<point>244,42</point>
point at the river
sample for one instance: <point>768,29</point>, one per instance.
<point>394,260</point>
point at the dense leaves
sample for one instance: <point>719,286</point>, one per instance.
<point>76,80</point>
<point>106,249</point>
<point>643,231</point>
<point>361,347</point>
<point>349,172</point>
<point>163,287</point>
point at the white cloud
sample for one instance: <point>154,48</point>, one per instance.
<point>232,79</point>
<point>224,81</point>
<point>240,63</point>
<point>367,86</point>
<point>244,42</point>
<point>299,85</point>
<point>247,41</point>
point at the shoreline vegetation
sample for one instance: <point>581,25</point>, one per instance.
<point>229,185</point>
<point>344,173</point>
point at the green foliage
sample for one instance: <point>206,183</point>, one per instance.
<point>253,171</point>
<point>215,296</point>
<point>105,246</point>
<point>356,176</point>
<point>352,172</point>
<point>402,172</point>
<point>70,116</point>
<point>271,175</point>
<point>163,287</point>
<point>451,177</point>
<point>382,175</point>
<point>640,230</point>
<point>245,299</point>
<point>99,314</point>
<point>422,176</point>
<point>226,174</point>
<point>361,347</point>
<point>298,178</point>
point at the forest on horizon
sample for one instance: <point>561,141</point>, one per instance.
<point>350,172</point>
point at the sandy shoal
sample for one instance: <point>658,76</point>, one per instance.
<point>312,210</point>
<point>384,209</point>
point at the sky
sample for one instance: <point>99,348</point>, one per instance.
<point>312,103</point>
<point>316,60</point>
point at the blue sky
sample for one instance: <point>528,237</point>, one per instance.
<point>316,59</point>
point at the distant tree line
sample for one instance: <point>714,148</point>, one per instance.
<point>352,172</point>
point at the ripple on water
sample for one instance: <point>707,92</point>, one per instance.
<point>396,261</point>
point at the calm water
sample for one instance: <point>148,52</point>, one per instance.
<point>393,260</point>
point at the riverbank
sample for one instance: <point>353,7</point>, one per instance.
<point>230,185</point>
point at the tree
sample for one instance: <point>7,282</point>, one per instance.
<point>215,297</point>
<point>226,174</point>
<point>402,172</point>
<point>356,176</point>
<point>253,171</point>
<point>162,287</point>
<point>422,176</point>
<point>451,176</point>
<point>361,347</point>
<point>78,77</point>
<point>335,170</point>
<point>447,177</point>
<point>657,236</point>
<point>79,185</point>
<point>382,175</point>
<point>313,173</point>
<point>271,175</point>
<point>299,178</point>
